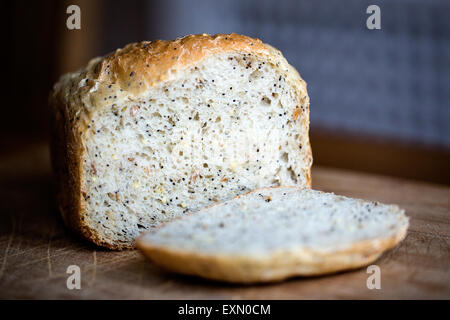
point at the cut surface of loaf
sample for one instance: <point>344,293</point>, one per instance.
<point>274,233</point>
<point>158,129</point>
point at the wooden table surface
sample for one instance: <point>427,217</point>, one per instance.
<point>35,249</point>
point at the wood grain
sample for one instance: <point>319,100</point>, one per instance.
<point>35,249</point>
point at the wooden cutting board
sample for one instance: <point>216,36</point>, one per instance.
<point>35,249</point>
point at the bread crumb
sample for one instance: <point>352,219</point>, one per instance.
<point>233,164</point>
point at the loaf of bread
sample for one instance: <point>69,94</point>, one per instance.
<point>275,233</point>
<point>159,129</point>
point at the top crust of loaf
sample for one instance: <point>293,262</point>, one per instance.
<point>131,71</point>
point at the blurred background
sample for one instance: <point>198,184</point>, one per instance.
<point>380,99</point>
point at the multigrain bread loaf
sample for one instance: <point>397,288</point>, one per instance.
<point>158,129</point>
<point>275,233</point>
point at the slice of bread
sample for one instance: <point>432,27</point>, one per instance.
<point>158,129</point>
<point>275,233</point>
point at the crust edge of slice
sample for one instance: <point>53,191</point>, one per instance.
<point>275,266</point>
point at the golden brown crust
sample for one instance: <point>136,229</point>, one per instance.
<point>128,73</point>
<point>137,67</point>
<point>277,266</point>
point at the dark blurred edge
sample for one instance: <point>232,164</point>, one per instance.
<point>375,155</point>
<point>31,52</point>
<point>37,56</point>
